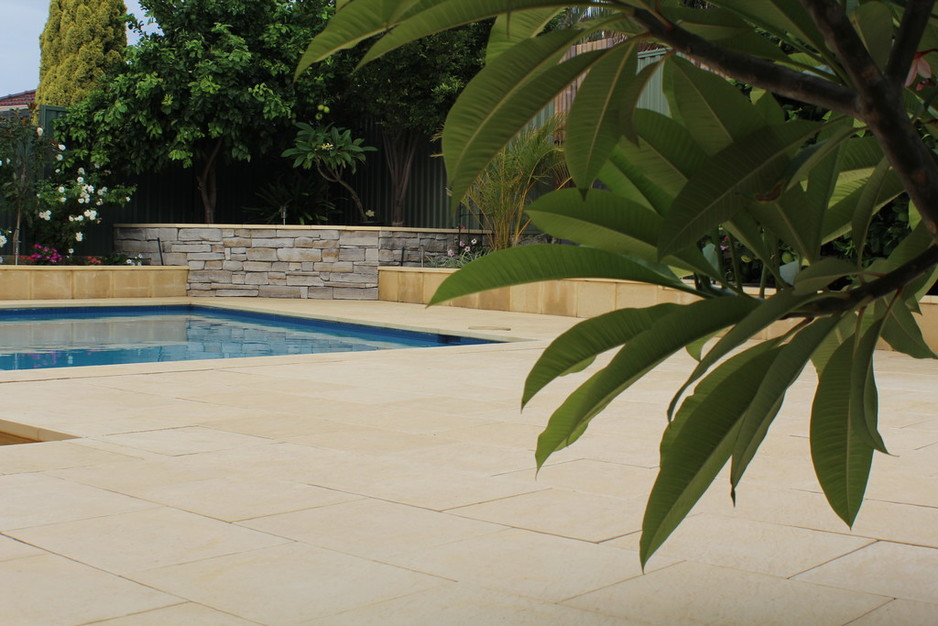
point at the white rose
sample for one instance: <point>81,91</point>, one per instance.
<point>79,236</point>
<point>39,130</point>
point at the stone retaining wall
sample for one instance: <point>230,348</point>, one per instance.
<point>323,262</point>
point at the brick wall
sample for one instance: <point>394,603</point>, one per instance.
<point>325,262</point>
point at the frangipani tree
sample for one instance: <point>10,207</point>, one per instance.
<point>722,162</point>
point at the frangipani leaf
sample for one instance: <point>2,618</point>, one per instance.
<point>586,340</point>
<point>641,354</point>
<point>600,219</point>
<point>904,335</point>
<point>593,126</point>
<point>781,374</point>
<point>702,444</point>
<point>502,98</point>
<point>764,313</point>
<point>528,264</point>
<point>511,28</point>
<point>819,275</point>
<point>841,453</point>
<point>863,395</point>
<point>743,172</point>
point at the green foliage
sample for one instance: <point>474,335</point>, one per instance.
<point>213,83</point>
<point>501,192</point>
<point>71,199</point>
<point>82,42</point>
<point>331,151</point>
<point>729,164</point>
<point>296,199</point>
<point>25,151</point>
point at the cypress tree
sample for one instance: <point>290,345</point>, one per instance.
<point>81,41</point>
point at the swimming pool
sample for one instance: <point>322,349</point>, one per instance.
<point>41,338</point>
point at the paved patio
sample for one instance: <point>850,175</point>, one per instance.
<point>398,487</point>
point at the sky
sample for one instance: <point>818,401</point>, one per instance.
<point>21,22</point>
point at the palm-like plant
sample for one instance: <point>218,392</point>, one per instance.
<point>499,194</point>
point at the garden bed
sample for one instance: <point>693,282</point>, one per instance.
<point>68,282</point>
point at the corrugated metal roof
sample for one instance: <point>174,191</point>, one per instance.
<point>18,100</point>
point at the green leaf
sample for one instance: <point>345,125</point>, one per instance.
<point>600,219</point>
<point>842,456</point>
<point>904,335</point>
<point>587,339</point>
<point>720,188</point>
<point>502,98</point>
<point>764,313</point>
<point>874,23</point>
<point>863,395</point>
<point>702,444</point>
<point>782,373</point>
<point>640,355</point>
<point>819,275</point>
<point>355,22</point>
<point>515,26</point>
<point>527,264</point>
<point>593,126</point>
<point>713,110</point>
<point>867,205</point>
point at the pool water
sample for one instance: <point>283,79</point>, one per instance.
<point>78,336</point>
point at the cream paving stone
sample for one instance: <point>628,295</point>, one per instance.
<point>371,528</point>
<point>35,457</point>
<point>472,457</point>
<point>598,477</point>
<point>12,549</point>
<point>584,516</point>
<point>694,593</point>
<point>186,440</point>
<point>232,499</point>
<point>425,420</point>
<point>441,489</point>
<point>138,476</point>
<point>37,499</point>
<point>759,547</point>
<point>377,441</point>
<point>287,584</point>
<point>502,433</point>
<point>187,614</point>
<point>900,612</point>
<point>885,568</point>
<point>50,589</point>
<point>278,425</point>
<point>244,398</point>
<point>533,565</point>
<point>142,540</point>
<point>462,604</point>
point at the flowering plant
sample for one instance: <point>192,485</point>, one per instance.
<point>45,255</point>
<point>466,250</point>
<point>70,200</point>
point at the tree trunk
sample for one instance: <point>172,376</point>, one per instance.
<point>400,146</point>
<point>208,190</point>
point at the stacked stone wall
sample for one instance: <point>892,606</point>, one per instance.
<point>333,263</point>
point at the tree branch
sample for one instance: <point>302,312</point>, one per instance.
<point>894,280</point>
<point>759,72</point>
<point>911,29</point>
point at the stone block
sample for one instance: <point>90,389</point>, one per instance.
<point>238,279</point>
<point>256,233</point>
<point>327,234</point>
<point>371,255</point>
<point>262,254</point>
<point>320,293</point>
<point>233,266</point>
<point>331,255</point>
<point>196,265</point>
<point>358,238</point>
<point>279,266</point>
<point>305,281</point>
<point>256,278</point>
<point>355,294</point>
<point>334,267</point>
<point>214,265</point>
<point>199,234</point>
<point>305,242</point>
<point>206,256</point>
<point>189,248</point>
<point>171,258</point>
<point>236,293</point>
<point>210,276</point>
<point>298,255</point>
<point>256,266</point>
<point>272,280</point>
<point>352,254</point>
<point>236,242</point>
<point>278,291</point>
<point>274,242</point>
